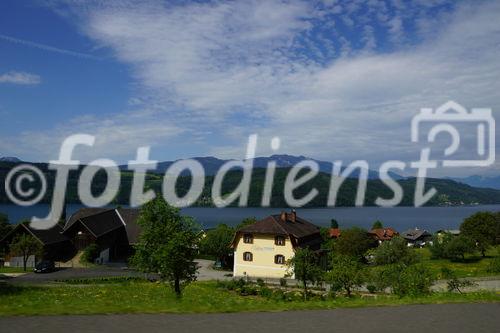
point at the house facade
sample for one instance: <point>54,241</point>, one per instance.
<point>263,248</point>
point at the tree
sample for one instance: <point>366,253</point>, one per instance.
<point>305,267</point>
<point>353,242</point>
<point>394,251</point>
<point>458,246</point>
<point>334,224</point>
<point>167,245</point>
<point>346,273</point>
<point>403,279</point>
<point>482,227</point>
<point>90,254</point>
<point>438,247</point>
<point>377,225</point>
<point>5,226</point>
<point>25,246</point>
<point>246,222</point>
<point>217,242</point>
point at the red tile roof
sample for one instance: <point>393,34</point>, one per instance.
<point>383,233</point>
<point>334,233</point>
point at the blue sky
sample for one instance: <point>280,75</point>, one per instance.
<point>333,79</point>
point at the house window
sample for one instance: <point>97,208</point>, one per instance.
<point>248,238</point>
<point>247,256</point>
<point>279,259</point>
<point>279,240</point>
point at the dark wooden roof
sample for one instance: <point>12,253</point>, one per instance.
<point>130,217</point>
<point>302,233</point>
<point>282,224</point>
<point>415,234</point>
<point>46,237</point>
<point>100,221</point>
<point>81,213</point>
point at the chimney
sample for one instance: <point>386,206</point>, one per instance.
<point>293,215</point>
<point>283,216</point>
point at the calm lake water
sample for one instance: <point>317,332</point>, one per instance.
<point>400,218</point>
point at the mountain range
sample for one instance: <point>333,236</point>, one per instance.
<point>481,181</point>
<point>450,192</point>
<point>212,164</point>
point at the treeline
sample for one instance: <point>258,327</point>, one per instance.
<point>449,192</point>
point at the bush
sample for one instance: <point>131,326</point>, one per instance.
<point>404,280</point>
<point>439,245</point>
<point>454,284</point>
<point>266,292</point>
<point>283,282</point>
<point>394,251</point>
<point>90,253</point>
<point>260,282</point>
<point>414,280</point>
<point>371,288</point>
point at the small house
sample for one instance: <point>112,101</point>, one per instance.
<point>417,237</point>
<point>383,234</point>
<point>263,248</point>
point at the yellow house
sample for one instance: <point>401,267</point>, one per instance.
<point>262,249</point>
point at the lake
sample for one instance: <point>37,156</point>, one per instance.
<point>400,218</point>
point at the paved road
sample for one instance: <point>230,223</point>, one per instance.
<point>416,318</point>
<point>205,273</point>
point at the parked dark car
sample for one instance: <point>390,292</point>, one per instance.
<point>44,266</point>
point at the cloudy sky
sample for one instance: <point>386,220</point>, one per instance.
<point>335,80</point>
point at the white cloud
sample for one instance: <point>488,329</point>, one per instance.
<point>225,70</point>
<point>21,78</point>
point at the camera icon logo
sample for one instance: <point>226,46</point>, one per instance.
<point>447,116</point>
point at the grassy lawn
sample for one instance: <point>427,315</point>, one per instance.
<point>200,297</point>
<point>14,270</point>
<point>474,266</point>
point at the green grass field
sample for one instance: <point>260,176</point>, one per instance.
<point>200,297</point>
<point>473,266</point>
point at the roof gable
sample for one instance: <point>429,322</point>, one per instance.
<point>100,221</point>
<point>282,224</point>
<point>44,236</point>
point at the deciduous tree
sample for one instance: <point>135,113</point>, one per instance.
<point>25,246</point>
<point>353,242</point>
<point>217,242</point>
<point>377,225</point>
<point>347,273</point>
<point>305,267</point>
<point>394,251</point>
<point>167,245</point>
<point>482,227</point>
